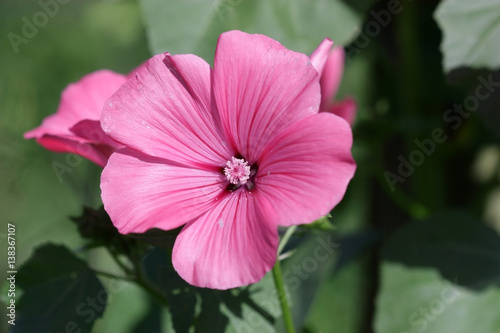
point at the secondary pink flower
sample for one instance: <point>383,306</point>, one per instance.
<point>331,66</point>
<point>231,152</point>
<point>75,127</point>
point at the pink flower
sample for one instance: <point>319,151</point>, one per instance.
<point>231,152</point>
<point>331,66</point>
<point>75,127</point>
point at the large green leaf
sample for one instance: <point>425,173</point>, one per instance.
<point>192,26</point>
<point>262,296</point>
<point>180,295</point>
<point>471,33</point>
<point>440,275</point>
<point>457,245</point>
<point>60,293</point>
<point>211,318</point>
<point>418,299</point>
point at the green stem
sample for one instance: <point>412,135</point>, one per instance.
<point>286,237</point>
<point>280,287</point>
<point>111,276</point>
<point>124,267</point>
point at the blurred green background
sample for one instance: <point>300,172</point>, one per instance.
<point>83,36</point>
<point>388,268</point>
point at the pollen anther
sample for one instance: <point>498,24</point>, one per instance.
<point>237,171</point>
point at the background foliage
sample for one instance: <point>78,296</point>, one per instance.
<point>418,253</point>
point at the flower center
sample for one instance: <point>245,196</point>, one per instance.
<point>237,171</point>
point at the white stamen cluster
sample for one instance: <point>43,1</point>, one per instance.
<point>237,171</point>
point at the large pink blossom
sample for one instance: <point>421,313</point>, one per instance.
<point>75,127</point>
<point>231,152</point>
<point>331,66</point>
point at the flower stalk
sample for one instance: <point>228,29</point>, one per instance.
<point>280,288</point>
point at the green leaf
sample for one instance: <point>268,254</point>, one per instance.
<point>440,275</point>
<point>323,223</point>
<point>211,319</point>
<point>180,294</point>
<point>95,224</point>
<point>259,309</point>
<point>471,33</point>
<point>193,26</point>
<point>182,298</point>
<point>60,293</point>
<point>418,299</point>
<point>457,245</point>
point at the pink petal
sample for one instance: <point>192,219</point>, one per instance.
<point>141,192</point>
<point>346,108</point>
<point>230,246</point>
<point>81,100</point>
<point>164,111</point>
<point>260,88</point>
<point>319,56</point>
<point>91,131</point>
<point>332,75</point>
<point>305,171</point>
<point>98,154</point>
